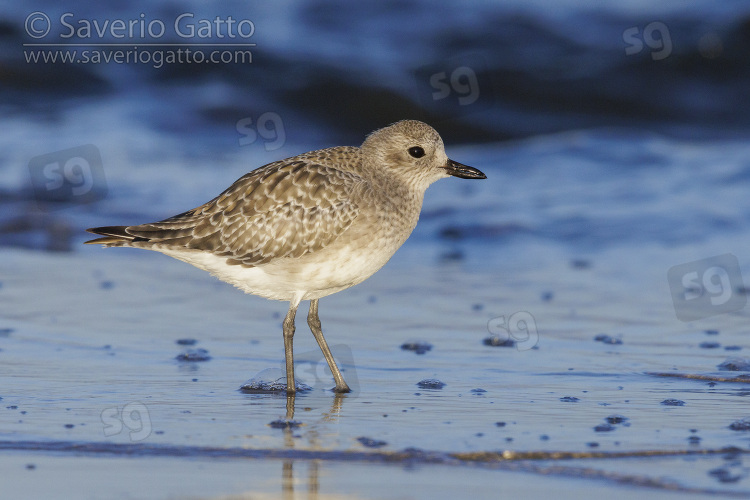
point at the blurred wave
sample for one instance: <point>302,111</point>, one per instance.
<point>659,90</point>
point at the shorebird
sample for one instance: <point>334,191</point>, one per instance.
<point>308,226</point>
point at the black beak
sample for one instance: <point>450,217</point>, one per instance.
<point>463,171</point>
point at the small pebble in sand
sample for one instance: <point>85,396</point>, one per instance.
<point>417,347</point>
<point>569,399</point>
<point>193,355</point>
<point>709,345</point>
<point>732,348</point>
<point>616,419</point>
<point>725,475</point>
<point>478,391</point>
<point>430,383</point>
<point>371,443</point>
<point>673,402</point>
<point>607,339</point>
<point>496,341</point>
<point>735,365</point>
<point>270,381</point>
<point>186,341</point>
<point>604,428</point>
<point>711,332</point>
<point>740,425</point>
<point>284,424</point>
<point>500,424</point>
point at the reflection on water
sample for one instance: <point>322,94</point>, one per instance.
<point>312,481</point>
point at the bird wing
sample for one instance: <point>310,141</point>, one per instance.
<point>284,209</point>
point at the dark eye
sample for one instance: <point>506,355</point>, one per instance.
<point>416,151</point>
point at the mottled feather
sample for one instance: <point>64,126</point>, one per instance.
<point>284,209</point>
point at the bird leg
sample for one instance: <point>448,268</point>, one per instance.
<point>288,325</point>
<point>290,406</point>
<point>314,321</point>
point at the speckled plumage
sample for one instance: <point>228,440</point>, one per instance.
<point>308,226</point>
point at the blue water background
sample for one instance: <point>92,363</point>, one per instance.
<point>587,138</point>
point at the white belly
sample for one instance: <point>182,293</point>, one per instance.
<point>312,276</point>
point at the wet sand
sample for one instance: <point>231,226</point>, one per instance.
<point>566,412</point>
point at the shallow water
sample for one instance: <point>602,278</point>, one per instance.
<point>102,338</point>
<point>613,181</point>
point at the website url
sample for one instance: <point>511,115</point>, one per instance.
<point>156,58</point>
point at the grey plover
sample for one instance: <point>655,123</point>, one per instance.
<point>308,226</point>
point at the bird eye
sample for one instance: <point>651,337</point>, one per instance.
<point>416,151</point>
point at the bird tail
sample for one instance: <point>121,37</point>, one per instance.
<point>114,236</point>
